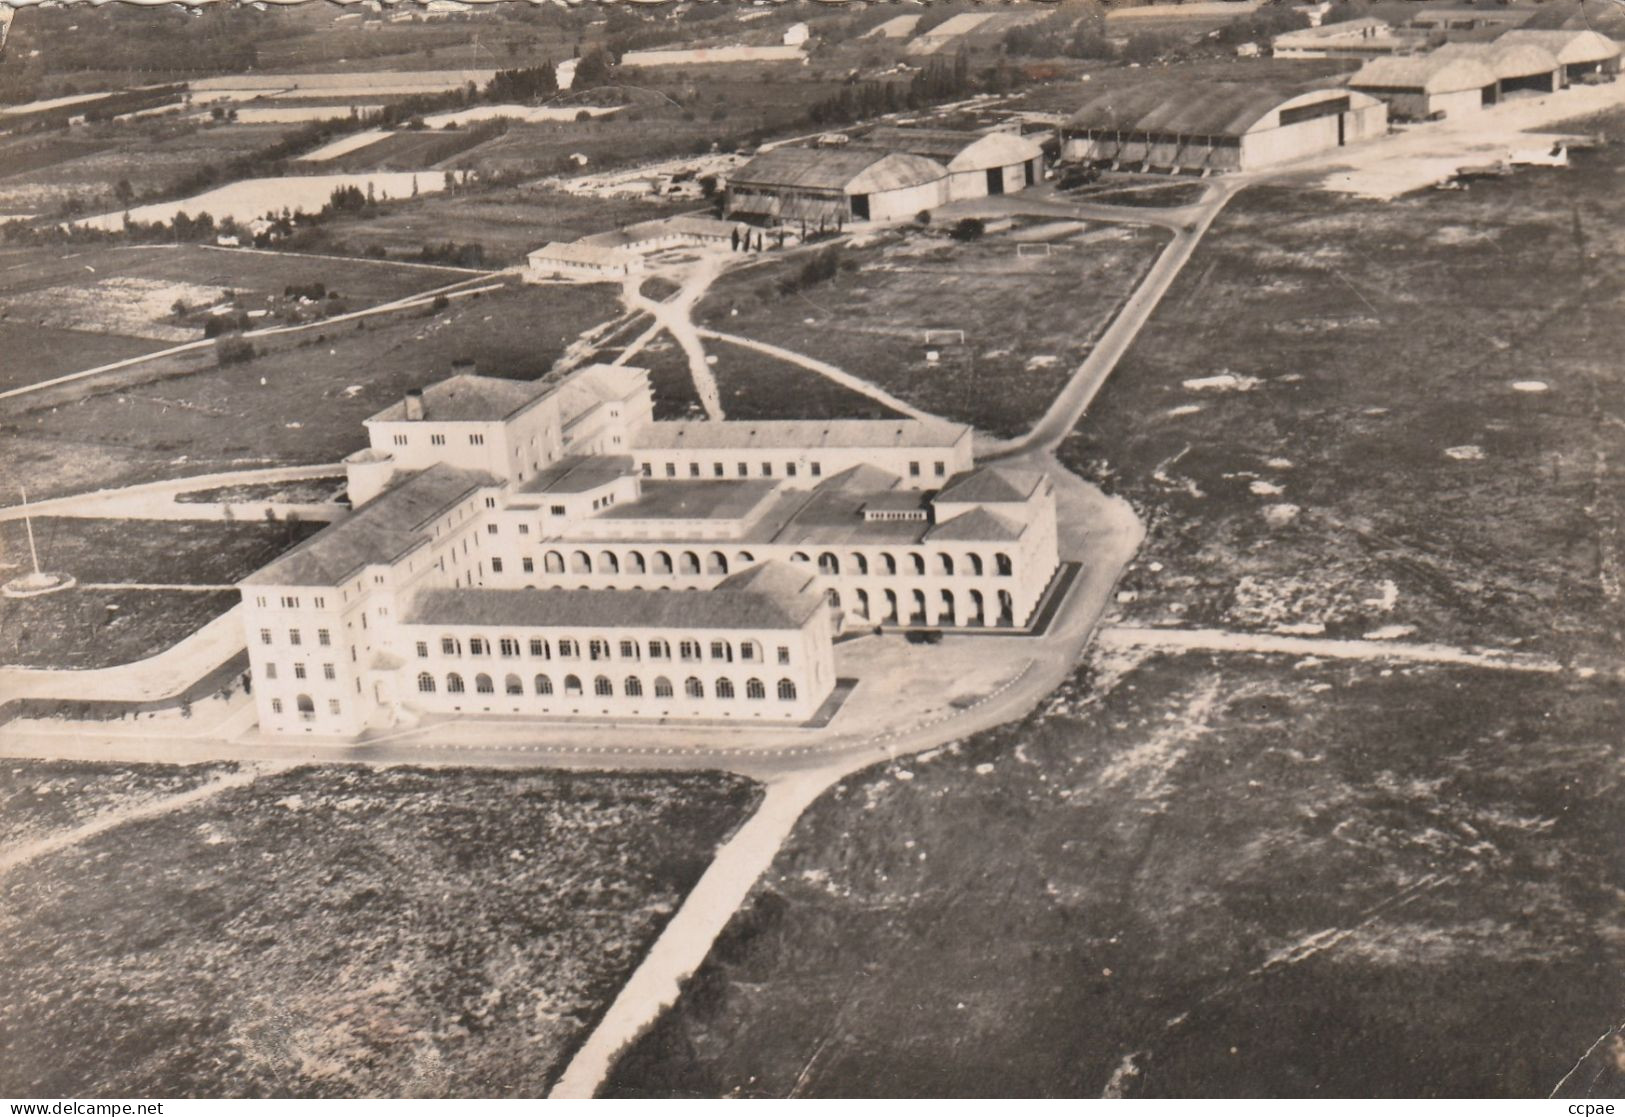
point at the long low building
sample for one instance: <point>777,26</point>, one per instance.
<point>1428,87</point>
<point>836,185</point>
<point>978,163</point>
<point>1217,126</point>
<point>1583,55</point>
<point>1516,66</point>
<point>1354,38</point>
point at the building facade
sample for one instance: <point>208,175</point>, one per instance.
<point>552,551</point>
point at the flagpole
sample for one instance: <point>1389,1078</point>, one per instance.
<point>28,523</point>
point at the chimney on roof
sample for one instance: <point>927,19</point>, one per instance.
<point>463,366</point>
<point>414,405</point>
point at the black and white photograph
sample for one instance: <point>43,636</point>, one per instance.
<point>812,549</point>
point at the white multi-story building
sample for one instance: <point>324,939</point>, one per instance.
<point>513,547</point>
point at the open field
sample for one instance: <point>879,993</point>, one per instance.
<point>250,198</point>
<point>318,490</point>
<point>41,797</point>
<point>82,629</point>
<point>69,311</point>
<point>1027,321</point>
<point>312,401</point>
<point>151,157</point>
<point>342,932</point>
<point>756,386</point>
<point>1221,877</point>
<point>177,552</point>
<point>1379,417</point>
<point>506,224</point>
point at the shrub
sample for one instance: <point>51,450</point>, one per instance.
<point>968,229</point>
<point>233,350</point>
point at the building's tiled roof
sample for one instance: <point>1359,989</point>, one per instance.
<point>850,170</point>
<point>834,516</point>
<point>1505,60</point>
<point>753,599</point>
<point>864,477</point>
<point>977,526</point>
<point>1428,73</point>
<point>813,433</point>
<point>577,474</point>
<point>469,398</point>
<point>1570,47</point>
<point>1184,108</point>
<point>580,252</point>
<point>991,485</point>
<point>382,530</point>
<point>958,151</point>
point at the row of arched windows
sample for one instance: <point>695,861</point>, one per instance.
<point>692,564</point>
<point>690,649</point>
<point>604,687</point>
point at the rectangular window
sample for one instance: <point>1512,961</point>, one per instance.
<point>437,440</point>
<point>265,635</point>
<point>598,649</point>
<point>290,603</point>
<point>490,529</point>
<point>478,646</point>
<point>744,469</point>
<point>490,502</point>
<point>717,470</point>
<point>767,469</point>
<point>496,566</point>
<point>333,706</point>
<point>567,649</point>
<point>719,649</point>
<point>671,469</point>
<point>270,671</point>
<point>423,649</point>
<point>476,440</point>
<point>817,470</point>
<point>648,470</point>
<point>510,646</point>
<point>324,637</point>
<point>448,646</point>
<point>784,654</point>
<point>524,529</point>
<point>529,565</point>
<point>693,469</point>
<point>400,440</point>
<point>293,637</point>
<point>328,672</point>
<point>689,650</point>
<point>913,469</point>
<point>941,469</point>
<point>629,649</point>
<point>789,469</point>
<point>319,602</point>
<point>276,705</point>
<point>556,510</point>
<point>299,670</point>
<point>538,648</point>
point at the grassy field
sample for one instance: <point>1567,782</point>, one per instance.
<point>182,552</point>
<point>871,319</point>
<point>41,797</point>
<point>341,932</point>
<point>1218,877</point>
<point>756,386</point>
<point>507,224</point>
<point>316,490</point>
<point>83,629</point>
<point>68,311</point>
<point>299,405</point>
<point>1369,416</point>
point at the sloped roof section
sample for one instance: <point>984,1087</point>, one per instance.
<point>768,599</point>
<point>584,252</point>
<point>1570,47</point>
<point>848,170</point>
<point>1424,74</point>
<point>469,398</point>
<point>384,529</point>
<point>958,151</point>
<point>1505,60</point>
<point>992,485</point>
<point>1184,108</point>
<point>979,525</point>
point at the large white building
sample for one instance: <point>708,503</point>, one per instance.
<point>514,547</point>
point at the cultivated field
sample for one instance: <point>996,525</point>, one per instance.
<point>340,932</point>
<point>69,311</point>
<point>1220,877</point>
<point>506,224</point>
<point>298,405</point>
<point>1384,418</point>
<point>1027,321</point>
